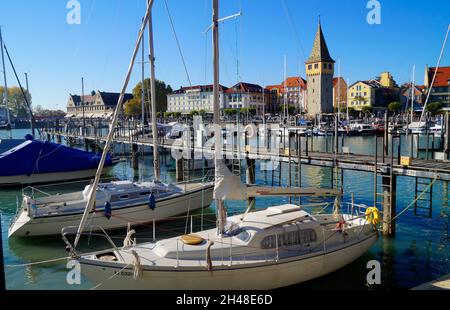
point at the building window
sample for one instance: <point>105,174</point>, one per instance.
<point>316,66</point>
<point>324,66</point>
<point>309,67</point>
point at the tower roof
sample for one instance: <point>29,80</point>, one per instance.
<point>320,50</point>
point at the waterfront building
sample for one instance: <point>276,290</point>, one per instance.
<point>405,96</point>
<point>295,90</point>
<point>339,93</point>
<point>375,94</point>
<point>275,98</point>
<point>96,105</point>
<point>246,95</point>
<point>319,73</point>
<point>195,98</point>
<point>440,91</point>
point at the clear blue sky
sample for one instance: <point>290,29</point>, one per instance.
<point>56,55</point>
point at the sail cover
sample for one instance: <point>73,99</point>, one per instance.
<point>34,157</point>
<point>227,185</point>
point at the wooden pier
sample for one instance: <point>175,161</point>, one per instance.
<point>387,166</point>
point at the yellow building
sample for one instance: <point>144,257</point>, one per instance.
<point>387,80</point>
<point>362,94</point>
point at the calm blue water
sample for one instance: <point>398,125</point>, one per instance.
<point>418,253</point>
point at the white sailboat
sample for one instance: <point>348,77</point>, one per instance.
<point>267,249</point>
<point>113,205</point>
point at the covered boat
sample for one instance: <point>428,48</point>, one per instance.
<point>35,161</point>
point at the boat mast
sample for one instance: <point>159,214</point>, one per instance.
<point>347,103</point>
<point>430,87</point>
<point>221,212</point>
<point>412,93</point>
<point>285,91</point>
<point>143,83</point>
<point>5,95</point>
<point>156,168</point>
<point>28,93</point>
<point>339,91</point>
<point>117,111</point>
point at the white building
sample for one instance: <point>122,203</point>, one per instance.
<point>194,98</point>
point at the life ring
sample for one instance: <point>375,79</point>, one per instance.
<point>373,215</point>
<point>192,239</point>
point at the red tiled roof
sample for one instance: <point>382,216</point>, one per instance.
<point>294,82</point>
<point>336,80</point>
<point>244,87</point>
<point>442,76</point>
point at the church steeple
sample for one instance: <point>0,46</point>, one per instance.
<point>320,51</point>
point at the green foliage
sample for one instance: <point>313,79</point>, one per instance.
<point>133,107</point>
<point>16,101</point>
<point>40,112</point>
<point>176,114</point>
<point>202,113</point>
<point>168,114</point>
<point>291,109</point>
<point>193,113</point>
<point>162,90</point>
<point>229,111</point>
<point>394,106</point>
<point>434,107</point>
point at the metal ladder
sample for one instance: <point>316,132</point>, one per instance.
<point>186,169</point>
<point>276,175</point>
<point>236,167</point>
<point>338,178</point>
<point>423,205</point>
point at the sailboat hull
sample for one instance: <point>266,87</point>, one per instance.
<point>24,226</point>
<point>259,276</point>
<point>42,178</point>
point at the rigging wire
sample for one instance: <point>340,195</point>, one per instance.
<point>178,42</point>
<point>293,28</point>
<point>22,90</point>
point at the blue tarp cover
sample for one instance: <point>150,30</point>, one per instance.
<point>33,157</point>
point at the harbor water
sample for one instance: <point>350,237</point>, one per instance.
<point>419,252</point>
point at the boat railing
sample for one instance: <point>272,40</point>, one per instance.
<point>31,192</point>
<point>70,230</point>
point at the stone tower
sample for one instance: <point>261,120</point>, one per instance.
<point>319,73</point>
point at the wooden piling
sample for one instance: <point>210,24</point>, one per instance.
<point>179,169</point>
<point>447,136</point>
<point>134,156</point>
<point>250,170</point>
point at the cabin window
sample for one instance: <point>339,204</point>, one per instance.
<point>124,197</point>
<point>304,236</point>
<point>144,194</point>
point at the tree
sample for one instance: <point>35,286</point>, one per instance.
<point>202,113</point>
<point>229,111</point>
<point>133,107</point>
<point>394,106</point>
<point>176,114</point>
<point>193,113</point>
<point>16,101</point>
<point>434,107</point>
<point>162,90</point>
<point>168,114</point>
